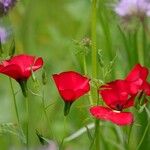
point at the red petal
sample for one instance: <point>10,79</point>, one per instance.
<point>119,118</point>
<point>12,71</point>
<point>67,95</point>
<point>115,93</point>
<point>146,88</point>
<point>71,81</point>
<point>136,78</point>
<point>130,102</point>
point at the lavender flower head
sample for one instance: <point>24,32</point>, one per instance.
<point>5,6</point>
<point>3,35</point>
<point>129,8</point>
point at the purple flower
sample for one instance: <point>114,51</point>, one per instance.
<point>129,8</point>
<point>3,35</point>
<point>5,6</point>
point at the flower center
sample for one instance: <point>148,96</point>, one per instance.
<point>119,107</point>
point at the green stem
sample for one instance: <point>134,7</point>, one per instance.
<point>14,99</point>
<point>62,142</point>
<point>130,130</point>
<point>86,72</point>
<point>94,65</point>
<point>84,64</point>
<point>93,34</point>
<point>97,137</point>
<point>144,42</point>
<point>144,134</point>
<point>48,122</point>
<point>145,131</point>
<point>27,121</point>
<point>23,85</point>
<point>142,50</point>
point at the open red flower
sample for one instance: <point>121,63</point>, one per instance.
<point>137,79</point>
<point>71,85</point>
<point>120,94</point>
<point>20,67</point>
<point>116,96</point>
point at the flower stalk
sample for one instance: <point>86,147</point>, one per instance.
<point>14,99</point>
<point>94,66</point>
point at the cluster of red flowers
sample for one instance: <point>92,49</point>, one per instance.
<point>117,95</point>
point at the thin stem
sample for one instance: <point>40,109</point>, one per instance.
<point>84,64</point>
<point>86,72</point>
<point>145,131</point>
<point>23,84</point>
<point>44,109</point>
<point>141,51</point>
<point>63,139</point>
<point>130,130</point>
<point>94,65</point>
<point>94,48</point>
<point>14,99</point>
<point>27,121</point>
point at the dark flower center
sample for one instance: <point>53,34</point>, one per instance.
<point>119,107</point>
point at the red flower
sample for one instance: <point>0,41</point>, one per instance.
<point>116,96</point>
<point>120,94</point>
<point>137,78</point>
<point>19,67</point>
<point>71,85</point>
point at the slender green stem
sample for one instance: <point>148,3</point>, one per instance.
<point>144,134</point>
<point>86,72</point>
<point>14,99</point>
<point>130,130</point>
<point>27,121</point>
<point>62,142</point>
<point>23,84</point>
<point>94,65</point>
<point>144,42</point>
<point>46,116</point>
<point>145,131</point>
<point>97,137</point>
<point>142,50</point>
<point>84,64</point>
<point>93,34</point>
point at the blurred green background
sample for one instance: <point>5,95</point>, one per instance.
<point>49,28</point>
